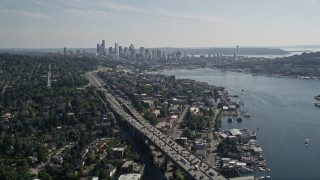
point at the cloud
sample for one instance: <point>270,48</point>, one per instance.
<point>40,3</point>
<point>122,7</point>
<point>22,13</point>
<point>86,13</point>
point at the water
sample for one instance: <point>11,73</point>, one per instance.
<point>285,113</point>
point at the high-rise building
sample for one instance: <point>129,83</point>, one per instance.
<point>178,55</point>
<point>65,51</point>
<point>98,49</point>
<point>116,51</point>
<point>120,50</point>
<point>132,51</point>
<point>103,48</point>
<point>110,50</point>
<point>147,54</point>
<point>159,53</point>
<point>154,55</point>
<point>142,51</point>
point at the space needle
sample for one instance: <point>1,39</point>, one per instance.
<point>237,52</point>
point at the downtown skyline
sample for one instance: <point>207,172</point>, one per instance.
<point>155,23</point>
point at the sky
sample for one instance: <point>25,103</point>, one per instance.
<point>158,23</point>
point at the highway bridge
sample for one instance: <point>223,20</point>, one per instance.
<point>191,165</point>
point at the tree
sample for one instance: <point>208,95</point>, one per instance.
<point>44,175</point>
<point>42,152</point>
<point>178,175</point>
<point>151,118</point>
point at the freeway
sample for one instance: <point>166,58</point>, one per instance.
<point>190,164</point>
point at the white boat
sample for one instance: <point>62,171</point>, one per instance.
<point>307,141</point>
<point>246,115</point>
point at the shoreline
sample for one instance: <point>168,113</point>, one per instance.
<point>298,77</point>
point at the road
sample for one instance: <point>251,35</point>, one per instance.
<point>190,164</point>
<point>213,143</point>
<point>58,152</point>
<point>175,132</point>
<point>49,77</point>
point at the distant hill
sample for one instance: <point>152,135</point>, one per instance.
<point>190,51</point>
<point>227,51</point>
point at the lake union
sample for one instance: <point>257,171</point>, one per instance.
<point>285,113</point>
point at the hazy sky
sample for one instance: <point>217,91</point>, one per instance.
<point>158,23</point>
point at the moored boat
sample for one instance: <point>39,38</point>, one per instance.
<point>306,142</point>
<point>246,115</point>
<point>239,119</point>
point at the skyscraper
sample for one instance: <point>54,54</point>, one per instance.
<point>65,51</point>
<point>147,54</point>
<point>142,51</point>
<point>98,49</point>
<point>110,51</point>
<point>132,51</point>
<point>120,49</point>
<point>116,51</point>
<point>103,48</point>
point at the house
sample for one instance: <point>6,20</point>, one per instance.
<point>235,132</point>
<point>156,112</point>
<point>256,150</point>
<point>132,167</point>
<point>149,103</point>
<point>175,109</point>
<point>131,176</point>
<point>57,159</point>
<point>111,169</point>
<point>78,163</point>
<point>118,151</point>
<point>200,144</point>
<point>127,167</point>
<point>194,110</point>
<point>232,108</point>
<point>161,125</point>
<point>174,117</point>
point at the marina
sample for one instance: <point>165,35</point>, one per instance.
<point>248,159</point>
